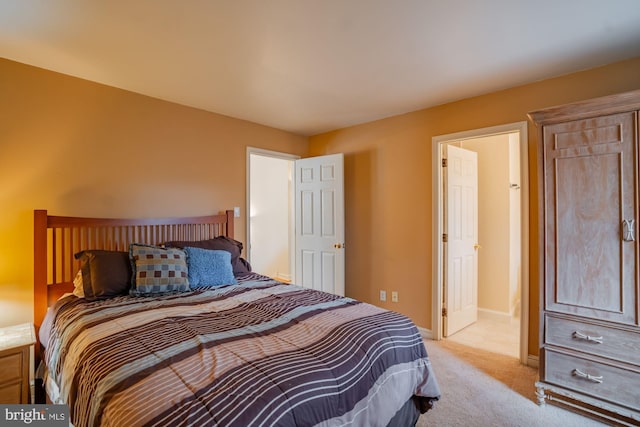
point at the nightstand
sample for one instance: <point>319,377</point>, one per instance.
<point>15,362</point>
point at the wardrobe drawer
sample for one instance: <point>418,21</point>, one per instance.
<point>594,378</point>
<point>593,339</point>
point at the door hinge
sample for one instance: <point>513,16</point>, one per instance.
<point>445,237</point>
<point>444,163</point>
<point>444,311</point>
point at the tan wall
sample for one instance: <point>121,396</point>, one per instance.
<point>388,183</point>
<point>79,148</point>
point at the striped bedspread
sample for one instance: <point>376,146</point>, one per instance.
<point>260,353</point>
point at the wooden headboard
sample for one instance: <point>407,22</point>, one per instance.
<point>58,238</point>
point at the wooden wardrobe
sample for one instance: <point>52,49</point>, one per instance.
<point>589,271</point>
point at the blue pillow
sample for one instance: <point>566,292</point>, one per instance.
<point>209,267</point>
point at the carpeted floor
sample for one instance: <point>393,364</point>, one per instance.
<point>480,388</point>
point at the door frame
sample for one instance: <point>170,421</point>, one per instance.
<point>437,206</point>
<point>292,224</point>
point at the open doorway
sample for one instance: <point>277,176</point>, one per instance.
<point>270,213</point>
<point>502,246</point>
<point>295,218</point>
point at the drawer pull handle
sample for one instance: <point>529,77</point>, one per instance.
<point>597,340</point>
<point>628,230</point>
<point>592,378</point>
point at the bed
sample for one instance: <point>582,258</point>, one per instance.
<point>239,350</point>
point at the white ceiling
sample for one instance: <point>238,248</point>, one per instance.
<point>309,66</point>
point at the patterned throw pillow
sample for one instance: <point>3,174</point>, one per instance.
<point>158,270</point>
<point>209,267</point>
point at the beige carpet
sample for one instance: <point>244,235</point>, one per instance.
<point>480,388</point>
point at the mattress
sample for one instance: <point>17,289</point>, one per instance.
<point>258,353</point>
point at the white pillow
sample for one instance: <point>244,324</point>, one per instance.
<point>79,286</point>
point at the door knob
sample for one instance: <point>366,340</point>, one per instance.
<point>476,246</point>
<point>339,246</point>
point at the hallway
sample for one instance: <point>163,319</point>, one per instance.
<point>490,334</point>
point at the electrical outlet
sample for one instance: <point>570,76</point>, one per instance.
<point>236,212</point>
<point>383,295</point>
<point>394,296</point>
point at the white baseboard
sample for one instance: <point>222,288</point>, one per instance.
<point>497,316</point>
<point>533,361</point>
<point>283,277</point>
<point>425,333</point>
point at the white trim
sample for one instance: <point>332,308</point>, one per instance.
<point>283,277</point>
<point>247,211</point>
<point>437,142</point>
<point>425,333</point>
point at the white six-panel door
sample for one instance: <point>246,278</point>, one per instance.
<point>461,270</point>
<point>319,198</point>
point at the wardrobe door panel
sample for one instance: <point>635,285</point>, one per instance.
<point>591,221</point>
